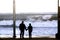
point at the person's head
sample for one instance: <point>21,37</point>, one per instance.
<point>29,24</point>
<point>22,22</point>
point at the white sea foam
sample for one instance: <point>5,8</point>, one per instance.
<point>34,24</point>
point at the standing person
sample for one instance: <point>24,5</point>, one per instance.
<point>30,28</point>
<point>22,27</point>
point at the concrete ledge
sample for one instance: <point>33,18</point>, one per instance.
<point>28,39</point>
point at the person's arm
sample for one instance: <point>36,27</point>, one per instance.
<point>32,28</point>
<point>27,28</point>
<point>24,27</point>
<point>20,26</point>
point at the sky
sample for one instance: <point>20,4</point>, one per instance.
<point>29,6</point>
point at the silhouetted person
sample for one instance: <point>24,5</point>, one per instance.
<point>22,27</point>
<point>30,28</point>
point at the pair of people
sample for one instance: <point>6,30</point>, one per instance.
<point>22,27</point>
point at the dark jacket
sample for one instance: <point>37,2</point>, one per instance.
<point>22,27</point>
<point>30,28</point>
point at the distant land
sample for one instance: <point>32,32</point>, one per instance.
<point>23,16</point>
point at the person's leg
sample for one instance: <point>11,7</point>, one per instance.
<point>23,34</point>
<point>20,34</point>
<point>29,34</point>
